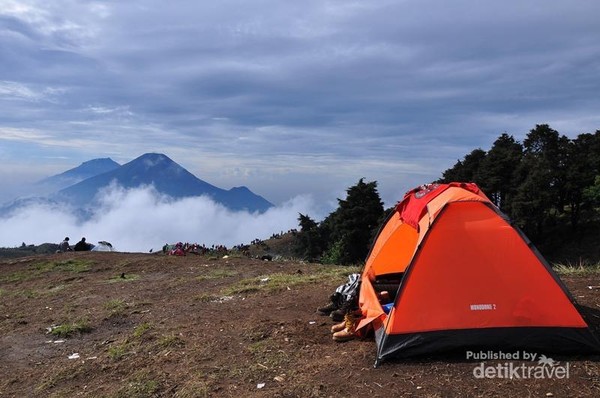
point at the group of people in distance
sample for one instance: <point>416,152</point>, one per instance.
<point>80,246</point>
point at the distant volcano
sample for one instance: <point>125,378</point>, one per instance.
<point>167,177</point>
<point>85,170</point>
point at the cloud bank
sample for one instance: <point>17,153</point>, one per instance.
<point>141,219</point>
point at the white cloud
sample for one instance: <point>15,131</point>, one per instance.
<point>14,90</point>
<point>18,134</point>
<point>138,220</point>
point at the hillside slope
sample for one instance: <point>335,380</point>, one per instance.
<point>146,325</point>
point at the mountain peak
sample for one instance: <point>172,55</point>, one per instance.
<point>99,161</point>
<point>154,161</point>
<point>72,176</point>
<point>154,157</point>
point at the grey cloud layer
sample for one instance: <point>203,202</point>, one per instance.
<point>375,84</point>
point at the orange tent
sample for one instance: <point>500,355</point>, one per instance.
<point>461,277</point>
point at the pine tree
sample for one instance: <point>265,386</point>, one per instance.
<point>583,171</point>
<point>541,192</point>
<point>496,175</point>
<point>350,228</point>
<point>465,170</point>
<point>309,241</point>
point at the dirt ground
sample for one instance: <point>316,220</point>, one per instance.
<point>147,325</point>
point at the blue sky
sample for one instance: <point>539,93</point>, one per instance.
<point>289,98</point>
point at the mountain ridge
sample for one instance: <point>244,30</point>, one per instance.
<point>77,174</point>
<point>167,177</point>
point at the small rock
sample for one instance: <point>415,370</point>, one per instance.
<point>549,394</point>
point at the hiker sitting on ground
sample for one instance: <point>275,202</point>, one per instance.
<point>64,246</point>
<point>82,246</point>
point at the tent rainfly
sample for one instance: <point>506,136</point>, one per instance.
<point>461,277</point>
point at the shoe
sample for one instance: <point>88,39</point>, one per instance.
<point>328,308</point>
<point>335,302</point>
<point>348,333</point>
<point>347,307</point>
<point>344,335</point>
<point>338,327</point>
<point>338,315</point>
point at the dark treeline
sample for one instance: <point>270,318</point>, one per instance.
<point>548,185</point>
